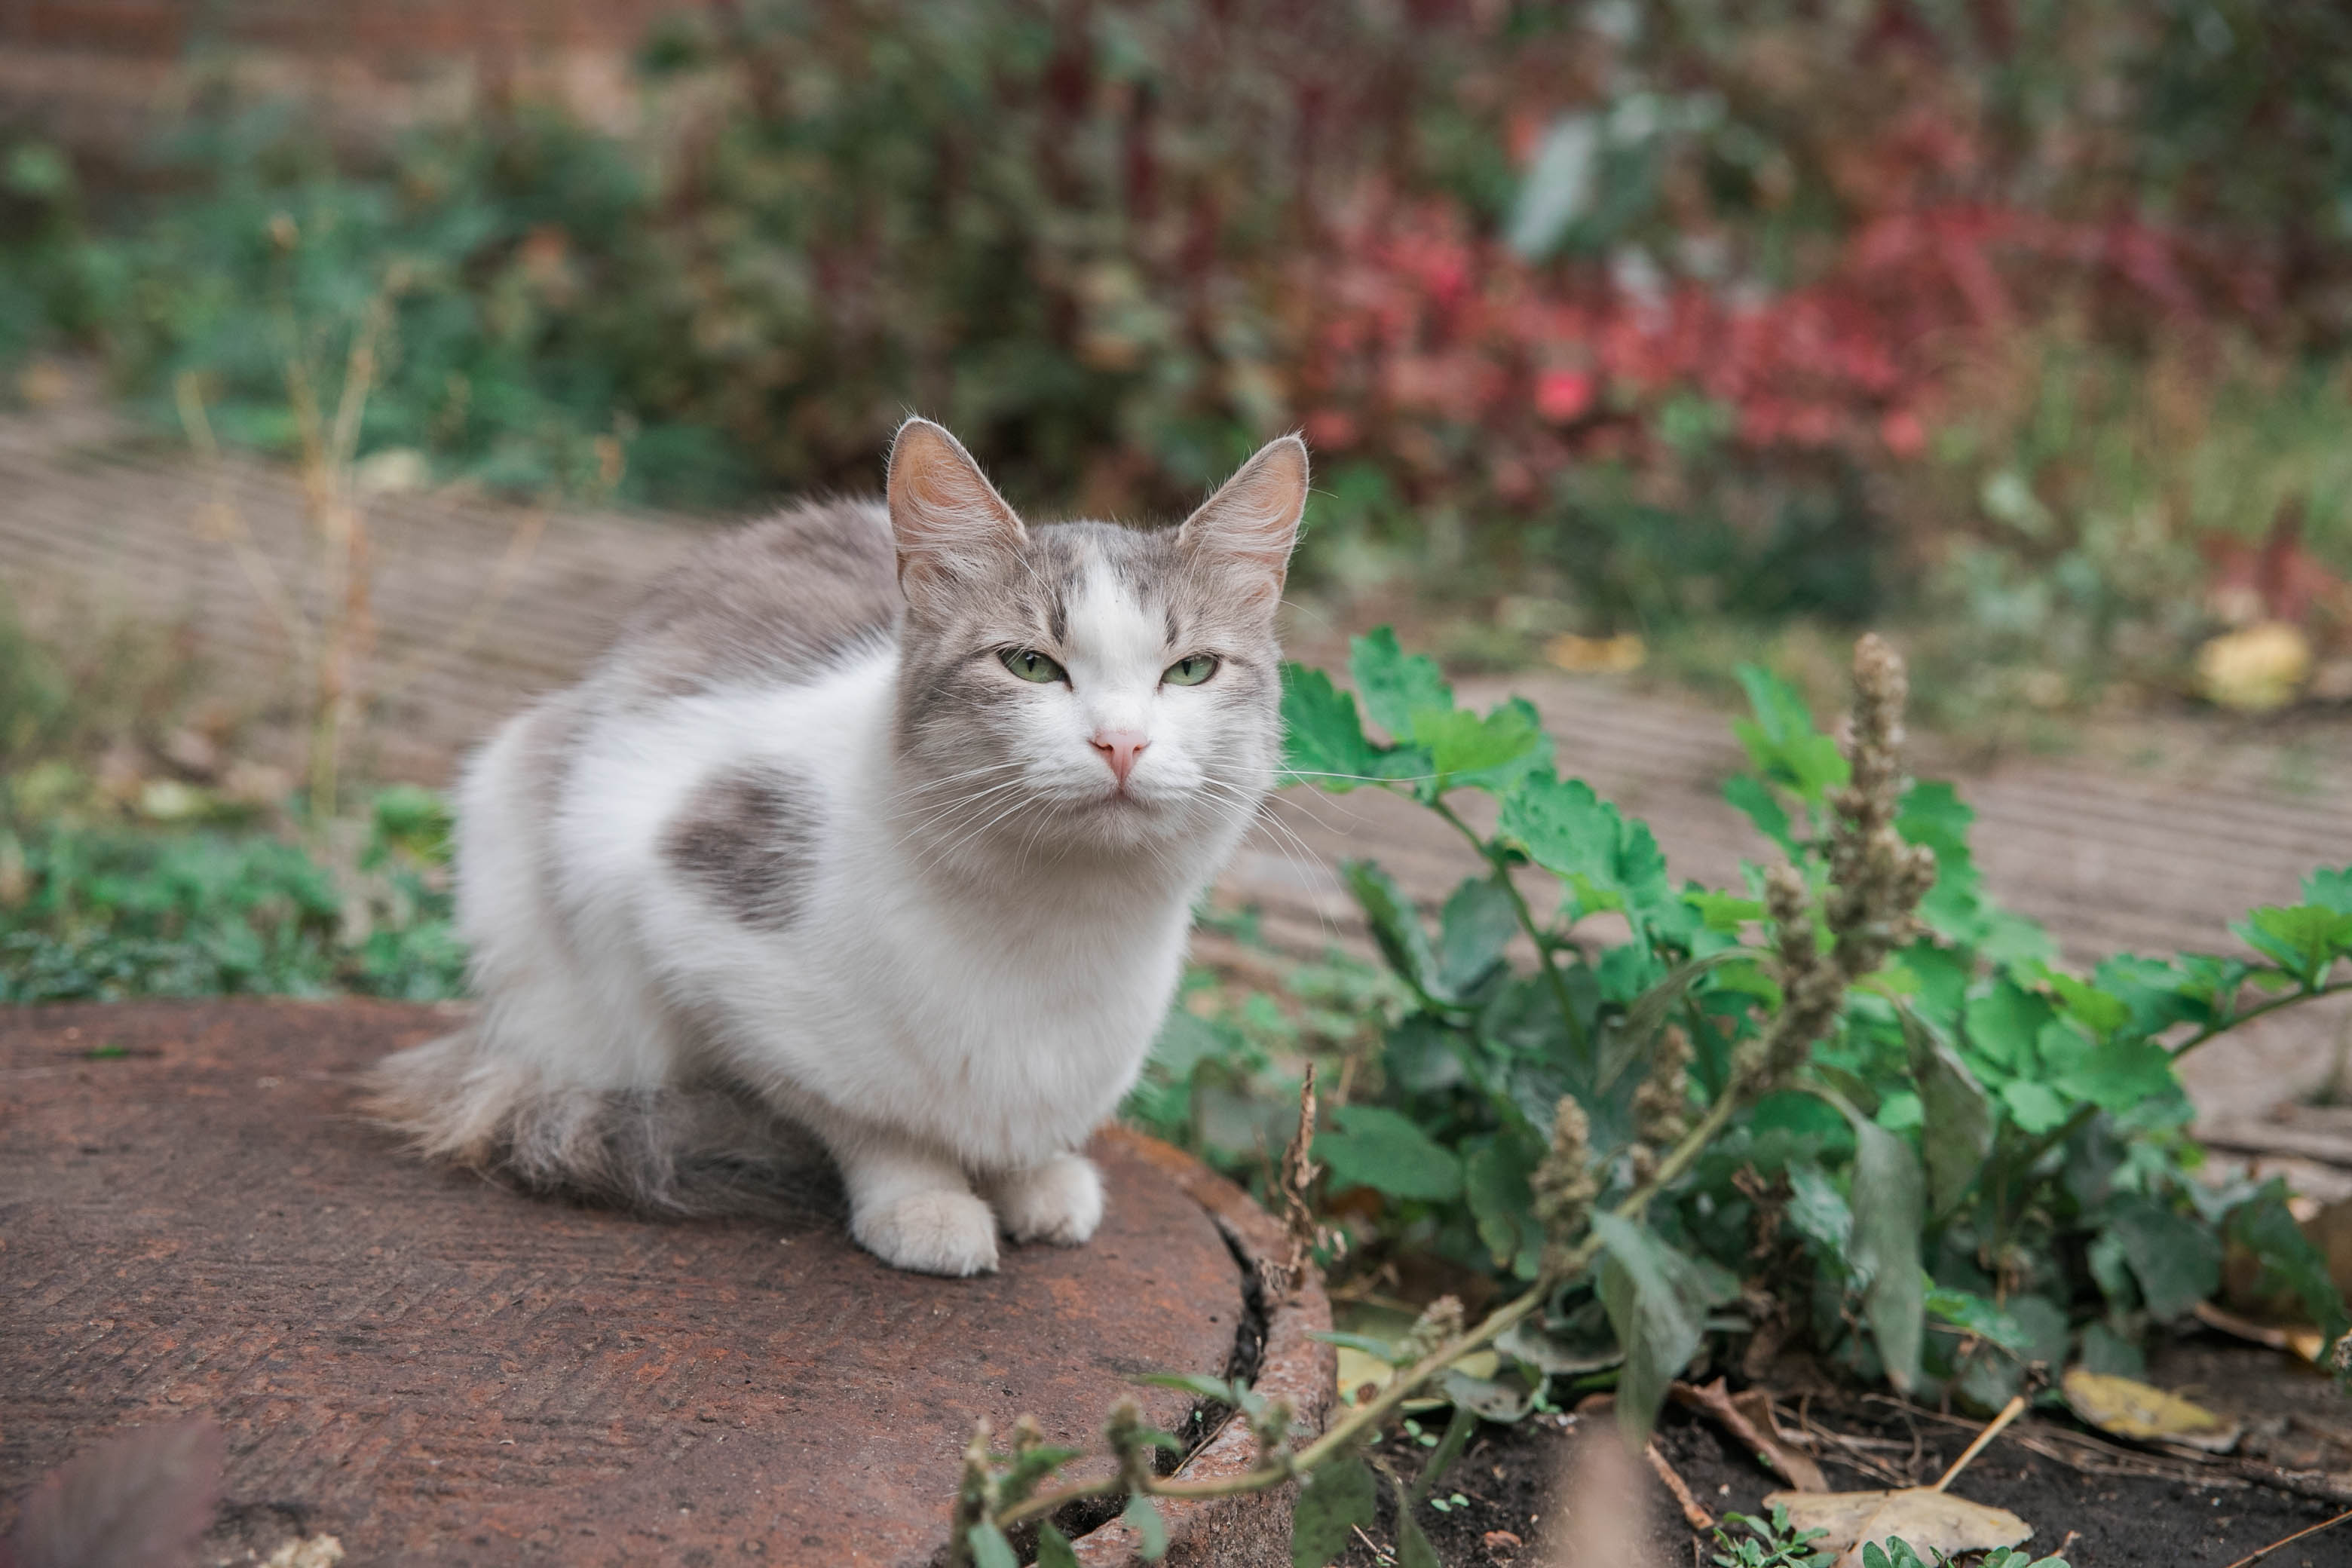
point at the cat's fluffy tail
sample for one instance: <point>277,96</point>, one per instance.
<point>673,1151</point>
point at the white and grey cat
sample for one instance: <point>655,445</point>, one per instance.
<point>882,824</point>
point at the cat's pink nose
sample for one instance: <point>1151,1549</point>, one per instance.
<point>1119,748</point>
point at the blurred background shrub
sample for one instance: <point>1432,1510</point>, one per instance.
<point>2024,321</point>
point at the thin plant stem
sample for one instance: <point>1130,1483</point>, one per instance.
<point>1369,1417</point>
<point>1501,867</point>
<point>2211,1031</point>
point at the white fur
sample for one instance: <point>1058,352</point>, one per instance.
<point>967,990</point>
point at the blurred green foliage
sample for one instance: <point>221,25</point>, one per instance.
<point>107,909</point>
<point>1662,314</point>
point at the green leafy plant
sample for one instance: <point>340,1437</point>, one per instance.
<point>1853,1103</point>
<point>1768,1542</point>
<point>111,910</point>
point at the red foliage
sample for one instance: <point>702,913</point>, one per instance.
<point>1420,325</point>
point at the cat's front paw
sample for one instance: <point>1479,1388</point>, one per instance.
<point>930,1233</point>
<point>1060,1201</point>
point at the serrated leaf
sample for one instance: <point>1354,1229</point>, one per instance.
<point>989,1547</point>
<point>1396,686</point>
<point>1658,1304</point>
<point>2176,1260</point>
<point>1888,1200</point>
<point>1613,862</point>
<point>2002,1024</point>
<point>2330,889</point>
<point>2305,940</point>
<point>1782,743</point>
<point>1467,750</point>
<point>1374,1147</point>
<point>1323,740</point>
<point>2118,1075</point>
<point>1338,1497</point>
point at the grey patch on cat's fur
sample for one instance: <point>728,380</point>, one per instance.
<point>770,604</point>
<point>709,1148</point>
<point>747,837</point>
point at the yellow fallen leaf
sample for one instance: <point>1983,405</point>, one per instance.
<point>2256,669</point>
<point>2123,1408</point>
<point>1358,1368</point>
<point>1932,1521</point>
<point>1597,655</point>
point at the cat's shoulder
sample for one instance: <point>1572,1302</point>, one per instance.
<point>775,601</point>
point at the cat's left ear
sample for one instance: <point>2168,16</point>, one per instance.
<point>947,519</point>
<point>1252,520</point>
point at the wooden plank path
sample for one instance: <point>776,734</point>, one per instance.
<point>97,527</point>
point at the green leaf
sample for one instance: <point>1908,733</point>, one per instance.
<point>2176,1260</point>
<point>1340,1496</point>
<point>1782,743</point>
<point>1887,1202</point>
<point>2305,940</point>
<point>1612,862</point>
<point>1762,808</point>
<point>1477,923</point>
<point>1497,1174</point>
<point>1956,1125</point>
<point>2263,1227</point>
<point>1396,686</point>
<point>1054,1549</point>
<point>1192,1382</point>
<point>1414,1549</point>
<point>1396,928</point>
<point>989,1547</point>
<point>1819,1211</point>
<point>1973,1314</point>
<point>1459,1429</point>
<point>2330,889</point>
<point>2118,1075</point>
<point>1657,1303</point>
<point>1323,741</point>
<point>2089,1005</point>
<point>2036,1108</point>
<point>1142,1515</point>
<point>1377,1148</point>
<point>1488,752</point>
<point>2002,1024</point>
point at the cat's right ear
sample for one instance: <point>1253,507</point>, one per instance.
<point>947,519</point>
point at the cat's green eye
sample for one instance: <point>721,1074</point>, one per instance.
<point>1030,665</point>
<point>1191,670</point>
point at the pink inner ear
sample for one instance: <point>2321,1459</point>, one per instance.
<point>941,505</point>
<point>1255,515</point>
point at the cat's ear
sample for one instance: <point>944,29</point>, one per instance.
<point>1252,520</point>
<point>947,519</point>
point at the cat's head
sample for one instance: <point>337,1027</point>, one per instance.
<point>1083,684</point>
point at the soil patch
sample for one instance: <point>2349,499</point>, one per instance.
<point>1507,1484</point>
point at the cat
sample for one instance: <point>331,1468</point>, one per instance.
<point>880,825</point>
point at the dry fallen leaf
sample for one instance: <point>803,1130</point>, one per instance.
<point>1929,1519</point>
<point>2123,1408</point>
<point>2255,669</point>
<point>1597,655</point>
<point>316,1551</point>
